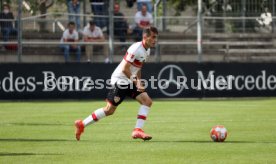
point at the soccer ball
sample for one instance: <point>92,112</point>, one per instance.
<point>218,133</point>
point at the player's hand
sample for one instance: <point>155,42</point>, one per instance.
<point>141,89</point>
<point>140,86</point>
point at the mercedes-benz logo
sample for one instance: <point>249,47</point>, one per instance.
<point>169,74</point>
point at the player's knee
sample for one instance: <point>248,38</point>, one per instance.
<point>148,102</point>
<point>109,111</point>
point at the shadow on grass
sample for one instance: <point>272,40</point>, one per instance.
<point>32,140</point>
<point>36,124</point>
<point>24,154</point>
<point>225,142</point>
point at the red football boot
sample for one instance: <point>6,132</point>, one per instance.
<point>139,133</point>
<point>79,128</point>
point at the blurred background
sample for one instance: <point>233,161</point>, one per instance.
<point>190,30</point>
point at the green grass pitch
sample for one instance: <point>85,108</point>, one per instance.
<point>43,132</point>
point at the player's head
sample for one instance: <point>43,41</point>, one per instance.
<point>150,36</point>
<point>116,7</point>
<point>92,25</point>
<point>6,8</point>
<point>144,9</point>
<point>71,26</point>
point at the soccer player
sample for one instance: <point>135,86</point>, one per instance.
<point>126,81</point>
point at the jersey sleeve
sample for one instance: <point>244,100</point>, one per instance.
<point>86,32</point>
<point>64,35</point>
<point>100,32</point>
<point>129,57</point>
<point>131,54</point>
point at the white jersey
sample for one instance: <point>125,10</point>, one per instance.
<point>144,20</point>
<point>136,55</point>
<point>97,32</point>
<point>71,37</point>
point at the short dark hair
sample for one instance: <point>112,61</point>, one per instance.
<point>71,23</point>
<point>144,4</point>
<point>150,29</point>
<point>6,5</point>
<point>92,23</point>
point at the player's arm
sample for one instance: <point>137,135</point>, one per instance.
<point>127,72</point>
<point>139,83</point>
<point>100,38</point>
<point>126,69</point>
<point>136,80</point>
<point>94,39</point>
<point>139,74</point>
<point>86,38</point>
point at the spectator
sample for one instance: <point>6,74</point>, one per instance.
<point>74,8</point>
<point>143,19</point>
<point>265,21</point>
<point>120,24</point>
<point>148,3</point>
<point>70,35</point>
<point>100,8</point>
<point>6,25</point>
<point>93,33</point>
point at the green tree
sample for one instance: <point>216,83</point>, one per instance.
<point>41,7</point>
<point>179,5</point>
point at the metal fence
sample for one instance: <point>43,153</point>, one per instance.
<point>224,36</point>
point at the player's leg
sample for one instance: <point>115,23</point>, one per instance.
<point>78,53</point>
<point>98,114</point>
<point>105,52</point>
<point>66,51</point>
<point>114,97</point>
<point>146,102</point>
<point>89,52</point>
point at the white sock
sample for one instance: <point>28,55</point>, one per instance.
<point>142,116</point>
<point>94,117</point>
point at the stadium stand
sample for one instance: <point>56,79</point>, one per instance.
<point>175,44</point>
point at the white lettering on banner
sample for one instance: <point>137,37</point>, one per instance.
<point>210,80</point>
<point>7,83</point>
<point>261,80</point>
<point>230,80</point>
<point>49,81</point>
<point>31,84</point>
<point>182,81</point>
<point>88,84</point>
<point>99,84</point>
<point>19,84</point>
<point>221,83</point>
<point>249,82</point>
<point>152,82</point>
<point>171,81</point>
<point>238,87</point>
<point>271,80</point>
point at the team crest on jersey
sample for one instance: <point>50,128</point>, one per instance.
<point>117,99</point>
